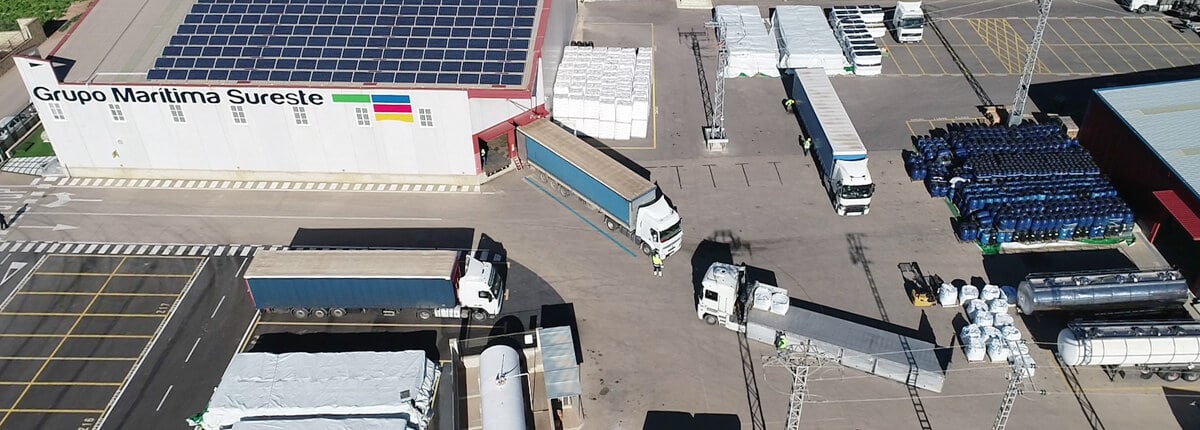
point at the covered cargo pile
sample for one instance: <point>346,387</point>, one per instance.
<point>1024,184</point>
<point>751,50</point>
<point>263,386</point>
<point>604,92</point>
<point>324,424</point>
<point>805,41</point>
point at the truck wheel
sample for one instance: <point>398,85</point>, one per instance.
<point>337,312</point>
<point>541,176</point>
<point>1146,374</point>
<point>319,313</point>
<point>564,191</point>
<point>1169,375</point>
<point>710,320</point>
<point>1143,9</point>
<point>1192,376</point>
<point>479,315</point>
<point>608,222</point>
<point>424,314</point>
<point>646,249</point>
<point>300,313</point>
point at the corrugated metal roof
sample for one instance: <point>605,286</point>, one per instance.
<point>1166,117</point>
<point>352,264</point>
<point>588,158</point>
<point>559,364</point>
<point>1181,211</point>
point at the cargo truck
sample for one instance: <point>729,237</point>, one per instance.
<point>1112,292</point>
<point>840,152</point>
<point>1184,7</point>
<point>764,313</point>
<point>630,204</point>
<point>446,284</point>
<point>908,21</point>
<point>1169,349</point>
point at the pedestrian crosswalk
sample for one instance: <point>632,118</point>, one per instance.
<point>175,250</point>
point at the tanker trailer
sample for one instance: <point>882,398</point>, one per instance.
<point>1146,291</point>
<point>1170,349</point>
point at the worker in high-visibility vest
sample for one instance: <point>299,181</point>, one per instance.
<point>780,341</point>
<point>657,261</point>
<point>788,104</point>
<point>807,145</point>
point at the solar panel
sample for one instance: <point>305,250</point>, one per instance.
<point>472,42</point>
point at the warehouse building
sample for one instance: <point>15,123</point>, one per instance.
<point>1145,138</point>
<point>315,90</point>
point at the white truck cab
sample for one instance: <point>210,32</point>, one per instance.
<point>908,21</point>
<point>659,227</point>
<point>720,295</point>
<point>481,287</point>
<point>851,187</point>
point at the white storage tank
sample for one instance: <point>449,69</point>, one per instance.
<point>501,389</point>
<point>1128,350</point>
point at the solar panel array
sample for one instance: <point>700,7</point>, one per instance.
<point>460,42</point>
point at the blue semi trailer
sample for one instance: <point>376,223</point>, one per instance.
<point>630,203</point>
<point>446,284</point>
<point>840,151</point>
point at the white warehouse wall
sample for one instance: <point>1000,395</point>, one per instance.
<point>270,146</point>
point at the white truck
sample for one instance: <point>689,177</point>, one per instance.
<point>764,312</point>
<point>840,152</point>
<point>630,203</point>
<point>1169,349</point>
<point>908,21</point>
<point>1143,6</point>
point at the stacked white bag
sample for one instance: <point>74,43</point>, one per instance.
<point>948,295</point>
<point>1021,356</point>
<point>1002,320</point>
<point>967,292</point>
<point>997,349</point>
<point>973,342</point>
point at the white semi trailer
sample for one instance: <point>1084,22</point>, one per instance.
<point>501,389</point>
<point>1169,349</point>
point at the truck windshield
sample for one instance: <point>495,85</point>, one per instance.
<point>671,232</point>
<point>497,284</point>
<point>858,191</point>
<point>912,23</point>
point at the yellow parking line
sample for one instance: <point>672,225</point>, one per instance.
<point>115,275</point>
<point>1129,46</point>
<point>20,358</point>
<point>1049,48</point>
<point>911,131</point>
<point>337,324</point>
<point>61,342</point>
<point>76,293</point>
<point>1071,47</point>
<point>63,384</point>
<point>892,54</point>
<point>1152,46</point>
<point>51,411</point>
<point>1114,48</point>
<point>935,58</point>
<point>970,48</point>
<point>913,55</point>
<point>1093,48</point>
<point>1160,36</point>
<point>80,315</point>
<point>135,257</point>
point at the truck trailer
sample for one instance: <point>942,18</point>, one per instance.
<point>841,155</point>
<point>1100,292</point>
<point>631,204</point>
<point>765,314</point>
<point>1183,7</point>
<point>446,284</point>
<point>908,21</point>
<point>1169,349</point>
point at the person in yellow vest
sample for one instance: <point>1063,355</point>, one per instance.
<point>789,104</point>
<point>780,341</point>
<point>657,261</point>
<point>807,145</point>
<point>483,155</point>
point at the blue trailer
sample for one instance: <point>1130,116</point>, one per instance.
<point>630,203</point>
<point>840,152</point>
<point>321,283</point>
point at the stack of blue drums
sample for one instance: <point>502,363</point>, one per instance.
<point>1026,184</point>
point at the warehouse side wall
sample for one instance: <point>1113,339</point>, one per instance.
<point>243,132</point>
<point>560,28</point>
<point>1137,172</point>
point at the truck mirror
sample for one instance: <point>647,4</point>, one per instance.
<point>485,295</point>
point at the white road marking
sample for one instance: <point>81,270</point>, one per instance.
<point>164,399</point>
<point>243,266</point>
<point>214,314</point>
<point>194,345</point>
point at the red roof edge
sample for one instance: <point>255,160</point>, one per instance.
<point>1180,210</point>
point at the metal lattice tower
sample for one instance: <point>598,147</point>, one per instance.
<point>715,136</point>
<point>1018,110</point>
<point>1018,382</point>
<point>797,359</point>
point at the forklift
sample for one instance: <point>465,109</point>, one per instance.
<point>922,290</point>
